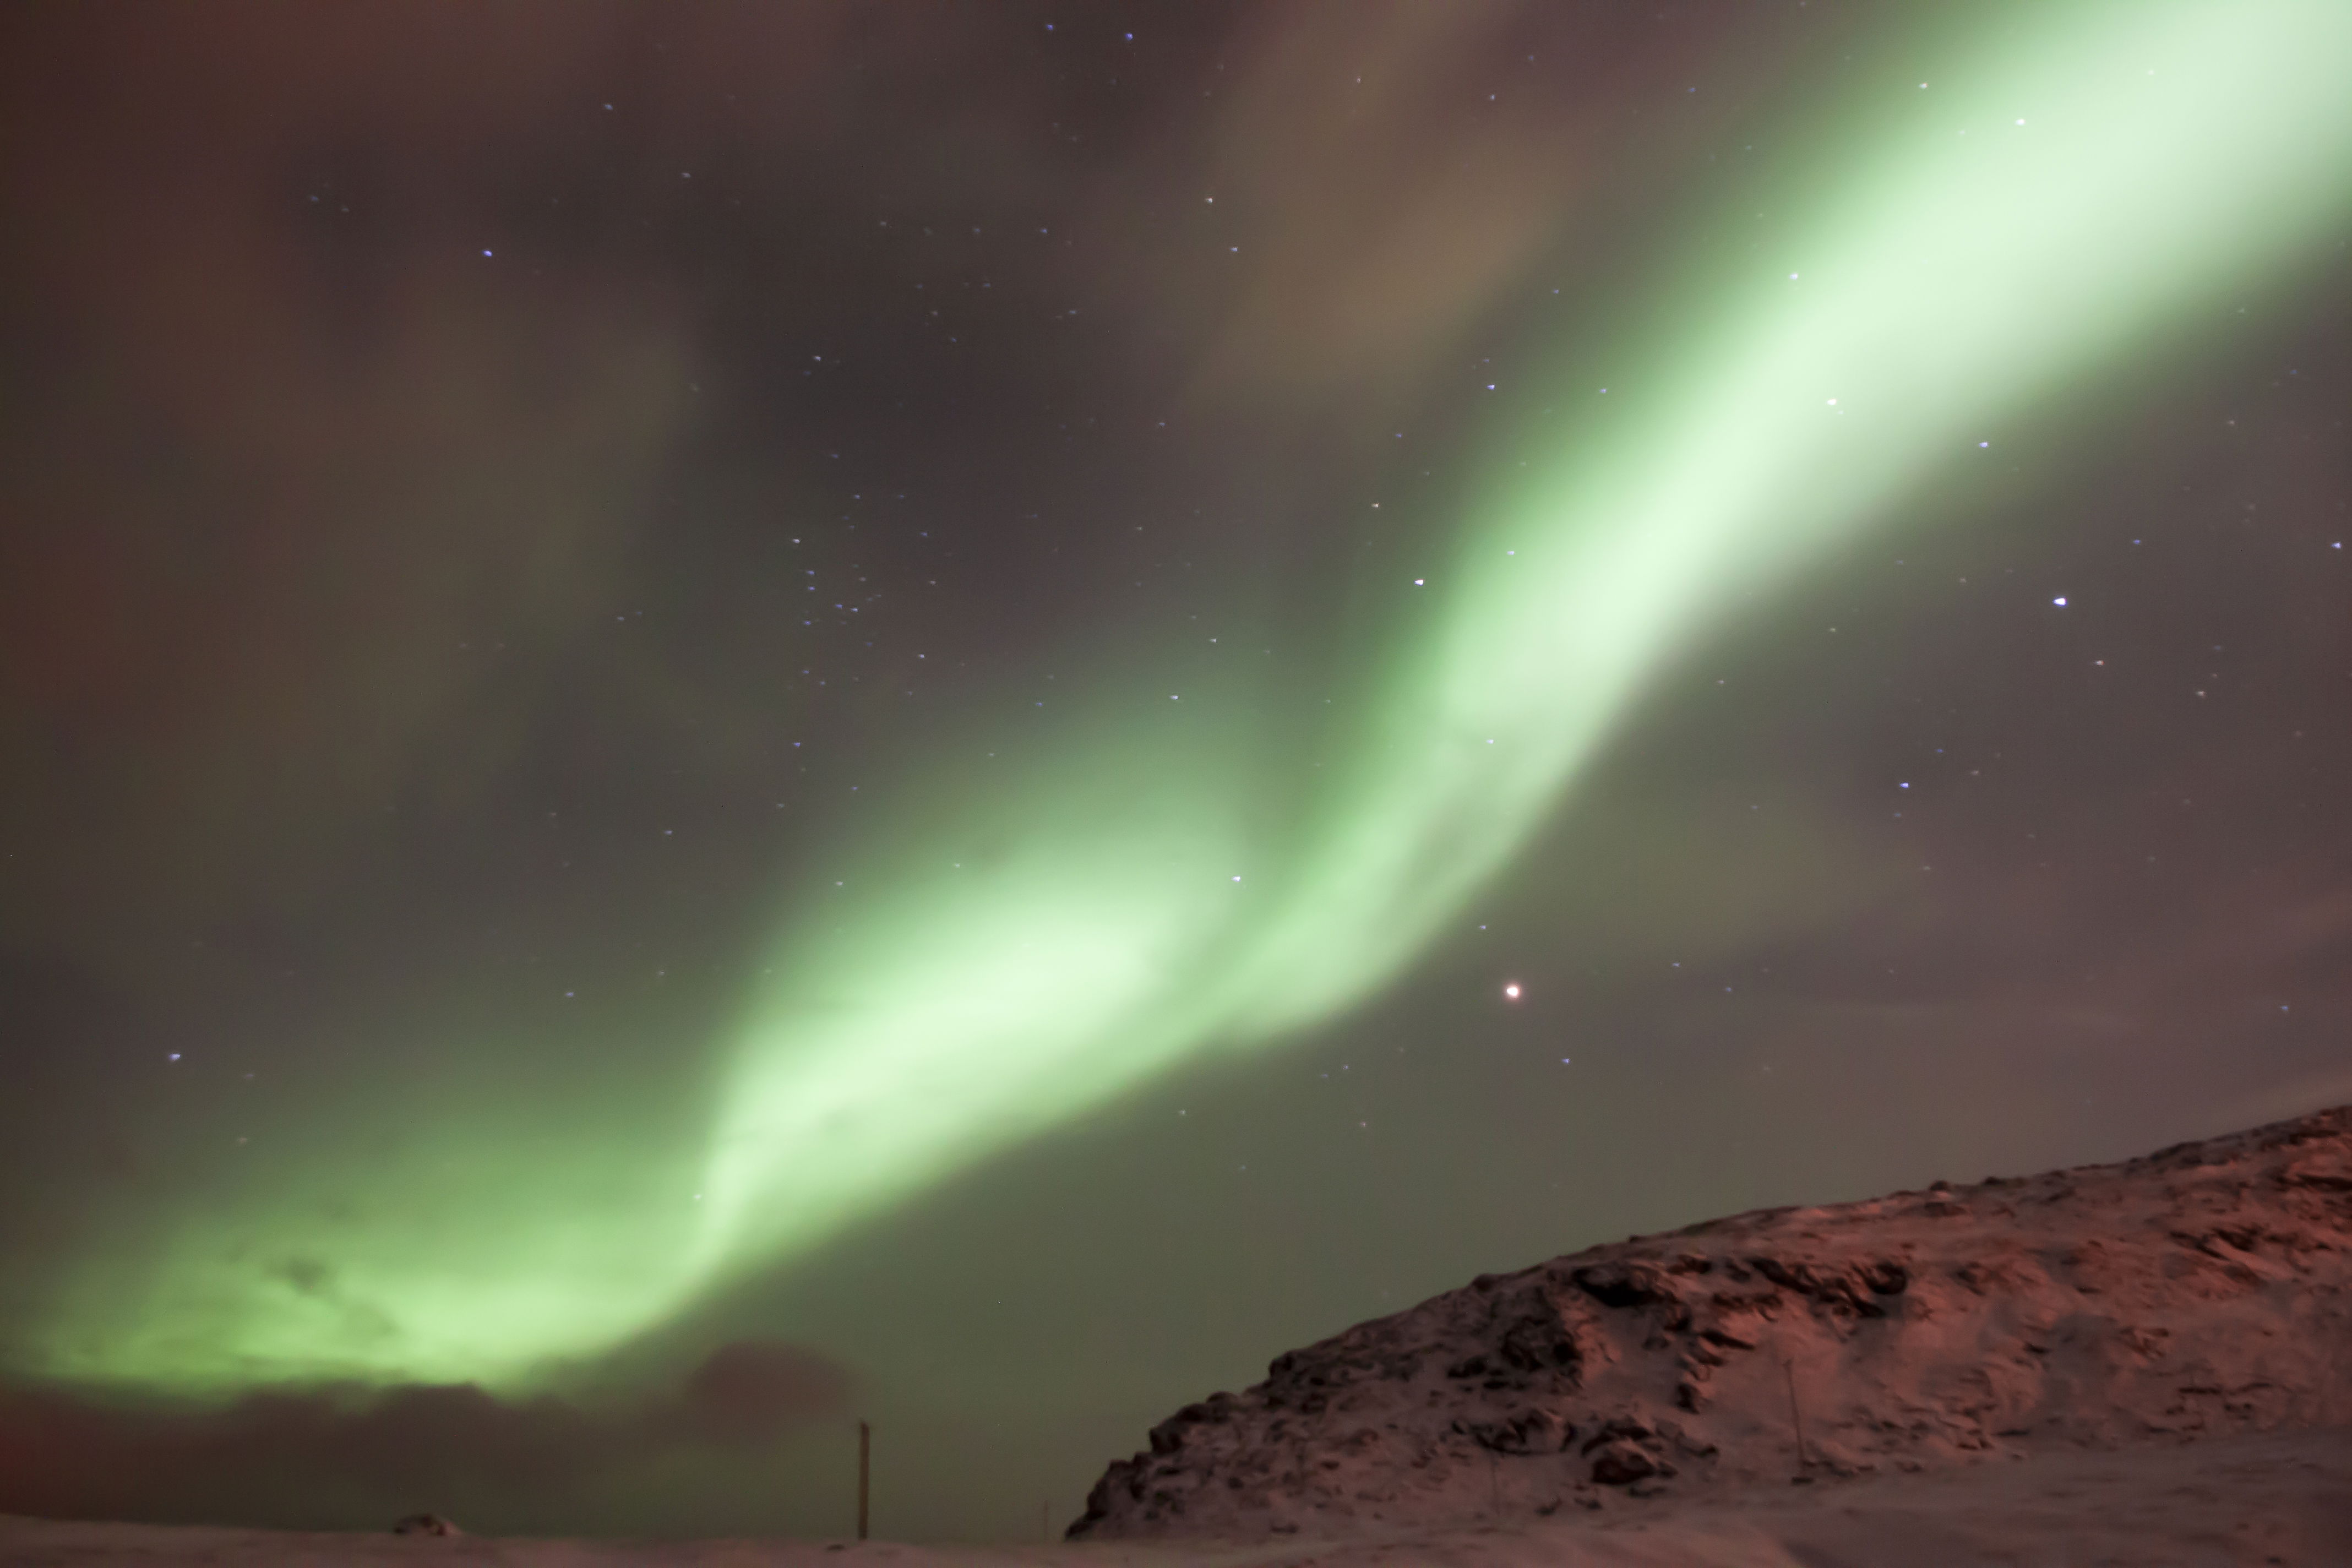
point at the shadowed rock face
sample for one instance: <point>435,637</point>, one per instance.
<point>2198,1291</point>
<point>426,1524</point>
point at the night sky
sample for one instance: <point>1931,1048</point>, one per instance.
<point>720,717</point>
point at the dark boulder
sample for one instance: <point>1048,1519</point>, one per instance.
<point>1622,1463</point>
<point>426,1524</point>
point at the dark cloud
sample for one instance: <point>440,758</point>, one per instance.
<point>754,1390</point>
<point>350,1458</point>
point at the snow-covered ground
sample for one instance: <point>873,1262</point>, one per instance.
<point>2262,1499</point>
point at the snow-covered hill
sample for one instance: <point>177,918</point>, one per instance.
<point>2194,1292</point>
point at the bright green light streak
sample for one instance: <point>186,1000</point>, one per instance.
<point>2029,223</point>
<point>880,1058</point>
<point>926,1013</point>
<point>2033,223</point>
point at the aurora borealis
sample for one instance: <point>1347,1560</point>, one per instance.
<point>594,776</point>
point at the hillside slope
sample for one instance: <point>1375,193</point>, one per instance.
<point>2196,1291</point>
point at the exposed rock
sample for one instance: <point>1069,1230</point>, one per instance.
<point>2197,1291</point>
<point>1622,1464</point>
<point>1530,1432</point>
<point>426,1524</point>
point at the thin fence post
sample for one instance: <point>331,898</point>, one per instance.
<point>864,1470</point>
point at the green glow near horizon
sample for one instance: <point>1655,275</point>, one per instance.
<point>2034,220</point>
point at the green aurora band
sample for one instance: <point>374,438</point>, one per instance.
<point>2034,219</point>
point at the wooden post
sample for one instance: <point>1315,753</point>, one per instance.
<point>864,1470</point>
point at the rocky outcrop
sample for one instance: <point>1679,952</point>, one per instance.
<point>426,1524</point>
<point>2199,1290</point>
